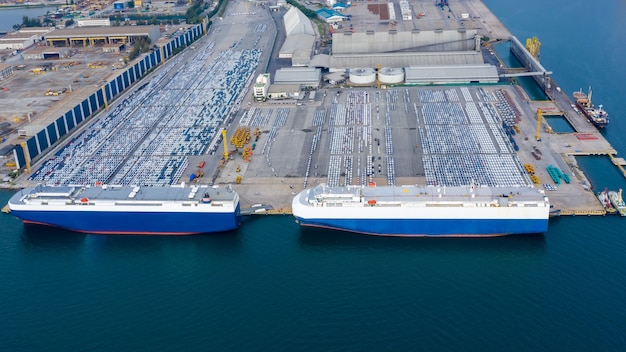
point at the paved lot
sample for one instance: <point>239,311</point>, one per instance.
<point>404,135</point>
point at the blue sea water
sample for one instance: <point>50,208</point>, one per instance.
<point>12,16</point>
<point>272,286</point>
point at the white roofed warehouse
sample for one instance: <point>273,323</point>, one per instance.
<point>300,37</point>
<point>306,77</point>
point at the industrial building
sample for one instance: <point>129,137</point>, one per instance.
<point>92,36</point>
<point>261,86</point>
<point>45,53</point>
<point>330,16</point>
<point>458,74</point>
<point>441,56</point>
<point>284,91</point>
<point>23,38</point>
<point>93,22</point>
<point>300,37</point>
<point>306,77</point>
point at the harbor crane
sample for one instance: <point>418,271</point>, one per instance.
<point>225,155</point>
<point>533,45</point>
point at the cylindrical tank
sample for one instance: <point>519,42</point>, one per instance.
<point>390,75</point>
<point>362,75</point>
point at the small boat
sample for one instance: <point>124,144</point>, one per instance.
<point>603,197</point>
<point>618,202</point>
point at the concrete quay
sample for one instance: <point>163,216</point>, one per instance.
<point>357,135</point>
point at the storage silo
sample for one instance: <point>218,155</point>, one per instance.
<point>362,75</point>
<point>390,75</point>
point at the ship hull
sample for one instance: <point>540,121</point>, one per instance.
<point>414,212</point>
<point>128,210</point>
<point>133,223</point>
<point>617,203</point>
<point>431,227</point>
<point>597,124</point>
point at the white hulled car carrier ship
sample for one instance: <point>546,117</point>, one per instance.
<point>424,211</point>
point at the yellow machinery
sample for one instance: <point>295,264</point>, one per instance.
<point>238,179</point>
<point>535,179</point>
<point>247,153</point>
<point>225,155</point>
<point>538,134</point>
<point>529,168</point>
<point>240,137</point>
<point>532,45</point>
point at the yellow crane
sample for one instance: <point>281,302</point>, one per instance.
<point>538,134</point>
<point>225,156</point>
<point>533,45</point>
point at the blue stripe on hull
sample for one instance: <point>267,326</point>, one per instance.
<point>134,222</point>
<point>432,227</point>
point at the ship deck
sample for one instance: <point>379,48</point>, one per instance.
<point>116,193</point>
<point>410,194</point>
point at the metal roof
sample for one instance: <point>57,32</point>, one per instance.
<point>280,88</point>
<point>344,61</point>
<point>294,75</point>
<point>102,31</point>
<point>297,23</point>
<point>295,42</point>
<point>451,74</point>
<point>320,60</point>
<point>403,41</point>
<point>301,57</point>
<point>329,14</point>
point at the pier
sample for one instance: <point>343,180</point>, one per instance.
<point>343,135</point>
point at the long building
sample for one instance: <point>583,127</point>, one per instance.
<point>23,38</point>
<point>90,36</point>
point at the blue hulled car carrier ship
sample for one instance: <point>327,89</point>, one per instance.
<point>424,211</point>
<point>105,209</point>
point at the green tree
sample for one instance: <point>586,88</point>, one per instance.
<point>141,45</point>
<point>30,22</point>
